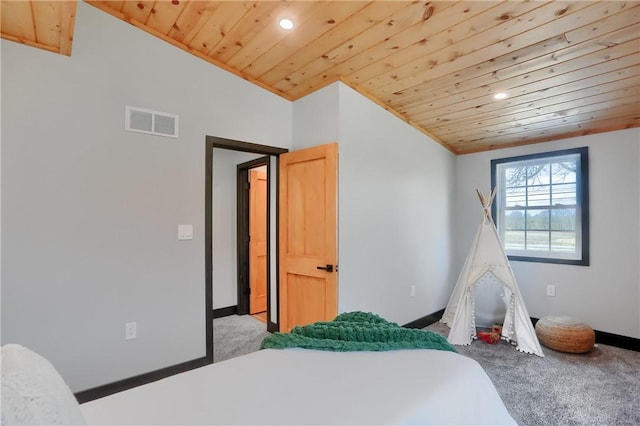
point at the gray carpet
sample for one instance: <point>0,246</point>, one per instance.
<point>601,387</point>
<point>236,335</point>
<point>598,388</point>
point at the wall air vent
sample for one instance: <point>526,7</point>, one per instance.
<point>151,122</point>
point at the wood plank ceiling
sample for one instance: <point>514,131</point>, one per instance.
<point>43,24</point>
<point>569,68</point>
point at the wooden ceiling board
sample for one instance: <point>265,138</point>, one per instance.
<point>538,98</point>
<point>282,56</point>
<point>193,18</point>
<point>508,65</point>
<point>17,20</point>
<point>433,20</point>
<point>260,15</point>
<point>611,105</point>
<point>570,68</point>
<point>324,31</point>
<point>163,15</point>
<point>538,82</point>
<point>511,65</point>
<point>544,93</point>
<point>46,25</point>
<point>528,114</point>
<point>364,48</point>
<point>212,33</point>
<point>451,50</point>
<point>67,26</point>
<point>271,35</point>
<point>117,5</point>
<point>495,42</point>
<point>47,30</point>
<point>138,10</point>
<point>550,133</point>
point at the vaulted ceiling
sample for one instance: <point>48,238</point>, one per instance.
<point>568,68</point>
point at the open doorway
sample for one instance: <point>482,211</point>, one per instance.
<point>252,239</point>
<point>222,296</point>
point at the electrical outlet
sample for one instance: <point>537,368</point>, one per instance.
<point>130,331</point>
<point>413,291</point>
<point>551,290</point>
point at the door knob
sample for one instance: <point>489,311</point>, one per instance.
<point>328,268</point>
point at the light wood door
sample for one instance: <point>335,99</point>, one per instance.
<point>308,236</point>
<point>257,241</point>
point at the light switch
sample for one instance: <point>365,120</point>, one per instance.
<point>185,232</point>
<point>130,330</point>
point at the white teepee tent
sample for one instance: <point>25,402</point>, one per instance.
<point>487,257</point>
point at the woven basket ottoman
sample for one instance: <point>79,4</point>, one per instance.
<point>565,334</point>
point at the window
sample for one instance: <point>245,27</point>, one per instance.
<point>541,207</point>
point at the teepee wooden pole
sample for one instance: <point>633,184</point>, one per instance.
<point>485,206</point>
<point>493,195</point>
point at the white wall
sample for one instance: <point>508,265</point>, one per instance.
<point>90,212</point>
<point>316,118</point>
<point>395,209</point>
<point>395,204</point>
<point>605,294</point>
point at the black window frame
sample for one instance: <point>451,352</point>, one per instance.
<point>582,200</point>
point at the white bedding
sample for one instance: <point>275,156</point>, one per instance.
<point>297,386</point>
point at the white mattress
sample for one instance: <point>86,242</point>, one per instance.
<point>297,386</point>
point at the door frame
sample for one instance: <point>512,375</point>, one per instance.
<point>242,239</point>
<point>212,142</point>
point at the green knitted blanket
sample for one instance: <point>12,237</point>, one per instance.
<point>356,331</point>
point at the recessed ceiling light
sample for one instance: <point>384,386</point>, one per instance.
<point>500,95</point>
<point>286,24</point>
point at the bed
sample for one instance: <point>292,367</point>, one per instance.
<point>301,386</point>
<point>356,369</point>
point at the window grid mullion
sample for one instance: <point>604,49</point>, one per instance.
<point>526,209</point>
<point>550,204</point>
